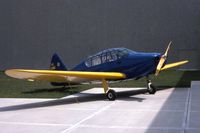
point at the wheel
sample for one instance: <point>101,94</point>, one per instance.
<point>111,95</point>
<point>151,89</point>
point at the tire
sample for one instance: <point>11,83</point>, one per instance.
<point>111,95</point>
<point>151,89</point>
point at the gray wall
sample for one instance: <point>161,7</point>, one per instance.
<point>32,30</point>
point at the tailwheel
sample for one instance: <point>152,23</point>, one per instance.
<point>151,89</point>
<point>111,95</point>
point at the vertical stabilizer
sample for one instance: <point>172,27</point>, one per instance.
<point>56,63</point>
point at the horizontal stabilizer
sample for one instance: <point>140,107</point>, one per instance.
<point>174,64</point>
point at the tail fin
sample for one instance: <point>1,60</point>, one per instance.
<point>56,63</point>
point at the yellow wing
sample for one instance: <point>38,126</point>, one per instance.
<point>61,76</point>
<point>174,64</point>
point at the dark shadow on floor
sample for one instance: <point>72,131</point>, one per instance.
<point>81,97</point>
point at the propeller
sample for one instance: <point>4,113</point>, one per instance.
<point>162,59</point>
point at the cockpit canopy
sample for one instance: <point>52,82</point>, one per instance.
<point>107,55</point>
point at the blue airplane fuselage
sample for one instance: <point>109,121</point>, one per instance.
<point>133,64</point>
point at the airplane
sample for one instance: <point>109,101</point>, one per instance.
<point>114,64</point>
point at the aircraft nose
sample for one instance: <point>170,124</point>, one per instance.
<point>156,57</point>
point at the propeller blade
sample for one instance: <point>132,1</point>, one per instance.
<point>168,47</point>
<point>162,59</point>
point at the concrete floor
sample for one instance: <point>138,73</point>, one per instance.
<point>172,110</point>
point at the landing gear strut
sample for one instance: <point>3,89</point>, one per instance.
<point>151,89</point>
<point>110,94</point>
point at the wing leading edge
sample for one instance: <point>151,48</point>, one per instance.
<point>61,76</point>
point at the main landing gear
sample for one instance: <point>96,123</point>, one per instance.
<point>151,89</point>
<point>110,94</point>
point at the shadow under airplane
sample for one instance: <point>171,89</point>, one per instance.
<point>79,98</point>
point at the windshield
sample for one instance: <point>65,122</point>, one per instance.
<point>108,55</point>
